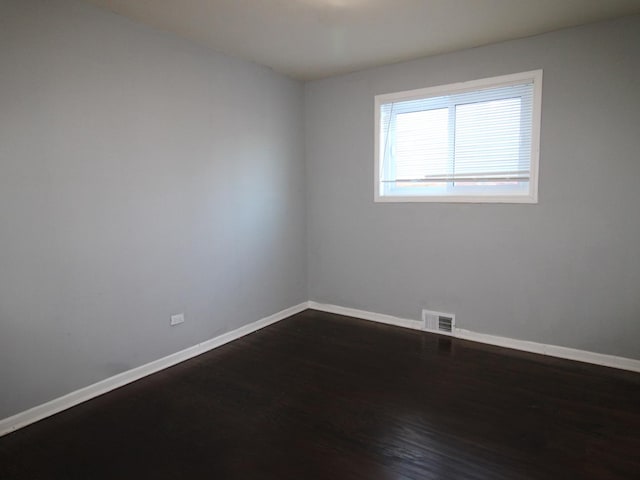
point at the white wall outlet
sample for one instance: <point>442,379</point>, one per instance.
<point>177,319</point>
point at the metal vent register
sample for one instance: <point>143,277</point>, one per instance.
<point>439,322</point>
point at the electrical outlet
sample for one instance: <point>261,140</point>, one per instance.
<point>177,319</point>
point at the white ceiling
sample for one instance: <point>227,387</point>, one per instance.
<point>309,39</point>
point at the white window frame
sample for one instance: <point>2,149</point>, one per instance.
<point>494,195</point>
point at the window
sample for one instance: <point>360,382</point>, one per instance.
<point>476,141</point>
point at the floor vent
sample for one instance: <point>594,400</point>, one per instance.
<point>438,322</point>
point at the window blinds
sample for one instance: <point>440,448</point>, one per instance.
<point>480,137</point>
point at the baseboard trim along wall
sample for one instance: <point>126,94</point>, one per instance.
<point>526,346</point>
<point>59,404</point>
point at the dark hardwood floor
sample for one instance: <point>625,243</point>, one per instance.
<point>321,396</point>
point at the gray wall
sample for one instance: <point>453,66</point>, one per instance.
<point>565,271</point>
<point>140,176</point>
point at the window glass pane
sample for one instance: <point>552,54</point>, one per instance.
<point>488,139</point>
<point>422,144</point>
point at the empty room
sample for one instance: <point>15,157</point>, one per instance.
<point>319,239</point>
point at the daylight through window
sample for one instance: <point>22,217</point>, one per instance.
<point>470,142</point>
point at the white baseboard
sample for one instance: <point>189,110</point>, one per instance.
<point>59,404</point>
<point>364,315</point>
<point>526,346</point>
<point>52,407</point>
<point>567,353</point>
